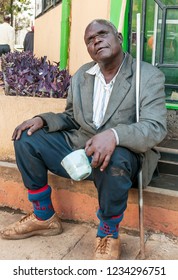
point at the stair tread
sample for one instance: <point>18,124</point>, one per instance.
<point>168,161</point>
<point>169,143</point>
<point>165,181</point>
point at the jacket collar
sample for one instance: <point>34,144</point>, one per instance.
<point>120,89</point>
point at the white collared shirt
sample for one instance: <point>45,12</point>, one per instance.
<point>7,35</point>
<point>101,95</point>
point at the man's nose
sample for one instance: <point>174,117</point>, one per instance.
<point>97,39</point>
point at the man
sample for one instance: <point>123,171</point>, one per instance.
<point>29,40</point>
<point>100,117</point>
<point>7,36</point>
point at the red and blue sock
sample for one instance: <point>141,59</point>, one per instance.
<point>41,200</point>
<point>108,226</point>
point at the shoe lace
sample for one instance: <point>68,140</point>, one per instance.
<point>104,245</point>
<point>25,218</point>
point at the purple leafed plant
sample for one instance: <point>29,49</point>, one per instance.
<point>27,75</point>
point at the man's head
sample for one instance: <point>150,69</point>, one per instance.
<point>7,18</point>
<point>103,41</point>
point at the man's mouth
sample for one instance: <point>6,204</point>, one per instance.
<point>99,49</point>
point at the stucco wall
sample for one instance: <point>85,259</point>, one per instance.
<point>47,34</point>
<point>16,109</point>
<point>47,31</point>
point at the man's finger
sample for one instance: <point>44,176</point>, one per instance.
<point>16,136</point>
<point>105,162</point>
<point>32,129</point>
<point>88,144</point>
<point>95,160</point>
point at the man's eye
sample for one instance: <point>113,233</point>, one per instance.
<point>101,35</point>
<point>90,42</point>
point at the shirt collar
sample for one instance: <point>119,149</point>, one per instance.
<point>95,70</point>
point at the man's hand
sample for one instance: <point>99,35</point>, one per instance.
<point>101,148</point>
<point>33,125</point>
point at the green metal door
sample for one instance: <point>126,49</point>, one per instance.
<point>159,40</point>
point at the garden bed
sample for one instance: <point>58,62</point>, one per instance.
<point>25,75</point>
<point>25,81</point>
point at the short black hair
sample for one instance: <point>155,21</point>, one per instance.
<point>105,22</point>
<point>7,18</point>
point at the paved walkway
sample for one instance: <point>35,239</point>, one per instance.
<point>77,243</point>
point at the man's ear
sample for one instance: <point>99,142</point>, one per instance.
<point>120,37</point>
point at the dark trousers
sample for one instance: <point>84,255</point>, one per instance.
<point>42,151</point>
<point>4,49</point>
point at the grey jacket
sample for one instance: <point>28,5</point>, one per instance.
<point>140,137</point>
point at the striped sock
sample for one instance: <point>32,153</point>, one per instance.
<point>108,226</point>
<point>41,200</point>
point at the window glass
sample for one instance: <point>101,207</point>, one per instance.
<point>159,52</point>
<point>169,2</point>
<point>48,3</point>
<point>153,26</point>
<point>42,6</point>
<point>171,37</point>
<point>137,7</point>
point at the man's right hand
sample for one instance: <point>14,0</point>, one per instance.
<point>33,125</point>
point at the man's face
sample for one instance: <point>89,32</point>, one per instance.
<point>102,43</point>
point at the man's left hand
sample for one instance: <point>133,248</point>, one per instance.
<point>101,147</point>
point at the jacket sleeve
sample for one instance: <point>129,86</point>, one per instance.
<point>151,128</point>
<point>61,121</point>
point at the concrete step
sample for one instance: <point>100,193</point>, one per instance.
<point>169,150</point>
<point>166,182</point>
<point>168,167</point>
<point>168,164</point>
<point>168,144</point>
<point>77,201</point>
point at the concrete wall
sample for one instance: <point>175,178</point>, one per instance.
<point>172,122</point>
<point>47,34</point>
<point>14,110</point>
<point>47,31</point>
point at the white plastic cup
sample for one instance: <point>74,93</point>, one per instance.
<point>77,165</point>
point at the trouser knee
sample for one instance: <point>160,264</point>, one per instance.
<point>21,144</point>
<point>115,181</point>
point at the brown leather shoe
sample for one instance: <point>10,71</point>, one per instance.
<point>30,226</point>
<point>107,248</point>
